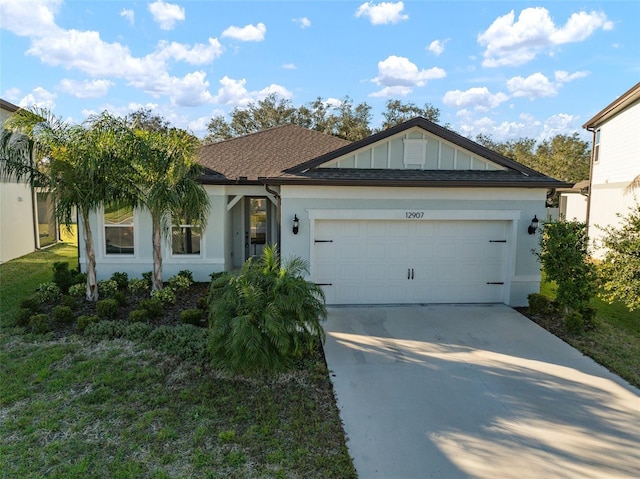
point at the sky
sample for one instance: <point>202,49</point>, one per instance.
<point>507,69</point>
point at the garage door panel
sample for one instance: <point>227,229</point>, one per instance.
<point>389,262</point>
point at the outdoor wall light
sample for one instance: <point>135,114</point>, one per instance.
<point>533,227</point>
<point>296,224</point>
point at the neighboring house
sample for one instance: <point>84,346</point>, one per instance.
<point>573,202</point>
<point>26,216</point>
<point>615,163</point>
<point>413,214</point>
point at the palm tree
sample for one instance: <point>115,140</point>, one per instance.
<point>81,165</point>
<point>634,185</point>
<point>166,174</point>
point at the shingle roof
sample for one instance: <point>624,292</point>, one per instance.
<point>291,154</point>
<point>265,154</point>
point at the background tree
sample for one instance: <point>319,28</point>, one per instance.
<point>564,157</point>
<point>80,165</point>
<point>397,112</point>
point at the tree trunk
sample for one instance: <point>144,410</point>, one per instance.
<point>157,255</point>
<point>92,283</point>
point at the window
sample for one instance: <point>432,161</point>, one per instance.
<point>596,147</point>
<point>186,237</point>
<point>118,229</point>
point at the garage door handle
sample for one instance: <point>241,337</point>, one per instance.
<point>408,273</point>
<point>323,241</point>
<point>495,282</point>
<point>411,273</point>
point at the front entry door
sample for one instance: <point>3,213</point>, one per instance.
<point>256,226</point>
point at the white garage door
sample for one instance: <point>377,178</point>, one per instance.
<point>387,262</point>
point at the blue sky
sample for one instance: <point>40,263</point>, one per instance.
<point>508,69</point>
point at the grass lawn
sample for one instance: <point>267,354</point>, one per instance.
<point>20,277</point>
<point>71,407</point>
<point>615,343</point>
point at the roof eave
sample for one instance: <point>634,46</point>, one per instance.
<point>613,108</point>
<point>418,183</point>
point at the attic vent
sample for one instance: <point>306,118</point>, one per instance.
<point>415,151</point>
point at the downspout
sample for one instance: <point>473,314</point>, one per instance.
<point>593,142</point>
<point>34,214</point>
<point>279,213</point>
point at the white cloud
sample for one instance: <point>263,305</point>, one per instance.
<point>289,66</point>
<point>85,88</point>
<point>304,22</point>
<point>234,93</point>
<point>511,42</point>
<point>39,97</point>
<point>565,77</point>
<point>382,13</point>
<point>437,46</point>
<point>199,54</point>
<point>398,75</point>
<point>479,98</point>
<point>12,94</point>
<point>166,14</point>
<point>29,18</point>
<point>533,86</point>
<point>129,15</point>
<point>392,91</point>
<point>249,33</point>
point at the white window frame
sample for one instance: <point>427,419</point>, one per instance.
<point>187,255</point>
<point>103,235</point>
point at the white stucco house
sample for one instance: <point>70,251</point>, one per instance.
<point>413,214</point>
<point>26,216</point>
<point>573,202</point>
<point>615,163</point>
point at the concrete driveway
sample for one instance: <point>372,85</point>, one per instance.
<point>452,391</point>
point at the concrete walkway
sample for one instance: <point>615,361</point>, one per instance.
<point>475,391</point>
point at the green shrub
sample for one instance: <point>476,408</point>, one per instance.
<point>78,290</point>
<point>121,298</point>
<point>70,301</point>
<point>121,279</point>
<point>48,292</point>
<point>139,316</point>
<point>138,286</point>
<point>105,330</point>
<point>165,296</point>
<point>152,306</point>
<point>138,332</point>
<point>107,288</point>
<point>179,283</point>
<point>148,278</point>
<point>39,323</point>
<point>192,316</point>
<point>63,315</point>
<point>31,303</point>
<point>539,304</point>
<point>85,320</point>
<point>620,268</point>
<point>564,255</point>
<point>107,308</point>
<point>186,274</point>
<point>589,318</point>
<point>62,276</point>
<point>23,316</point>
<point>265,317</point>
<point>186,342</point>
<point>574,323</point>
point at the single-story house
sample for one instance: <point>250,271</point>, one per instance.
<point>615,163</point>
<point>412,214</point>
<point>27,222</point>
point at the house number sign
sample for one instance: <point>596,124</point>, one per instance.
<point>414,215</point>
